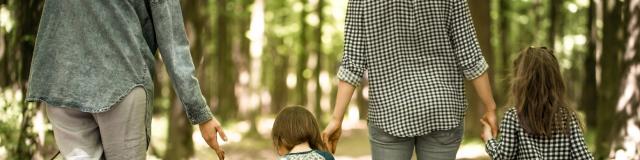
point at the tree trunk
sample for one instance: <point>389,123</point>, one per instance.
<point>610,76</point>
<point>303,56</point>
<point>227,105</point>
<point>589,95</point>
<point>21,45</point>
<point>179,142</point>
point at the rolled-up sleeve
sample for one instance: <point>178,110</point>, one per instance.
<point>354,61</point>
<point>464,43</point>
<point>174,49</point>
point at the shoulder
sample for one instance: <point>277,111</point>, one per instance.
<point>511,113</point>
<point>325,155</point>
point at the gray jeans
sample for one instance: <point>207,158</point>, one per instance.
<point>435,145</point>
<point>119,133</point>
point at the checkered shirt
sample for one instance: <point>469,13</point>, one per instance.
<point>417,54</point>
<point>514,143</point>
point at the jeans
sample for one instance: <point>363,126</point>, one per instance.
<point>436,145</point>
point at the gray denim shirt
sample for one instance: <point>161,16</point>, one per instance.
<point>90,54</point>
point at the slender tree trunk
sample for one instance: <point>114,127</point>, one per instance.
<point>21,45</point>
<point>227,105</point>
<point>589,94</point>
<point>503,57</point>
<point>303,57</point>
<point>610,76</point>
<point>319,59</point>
<point>179,142</point>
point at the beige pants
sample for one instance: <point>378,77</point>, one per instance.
<point>116,134</point>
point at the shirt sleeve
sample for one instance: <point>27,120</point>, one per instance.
<point>578,146</point>
<point>354,61</point>
<point>174,49</point>
<point>463,40</point>
<point>505,147</point>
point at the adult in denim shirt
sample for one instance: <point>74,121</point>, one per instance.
<point>92,69</point>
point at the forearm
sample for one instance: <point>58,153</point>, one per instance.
<point>483,90</point>
<point>343,97</point>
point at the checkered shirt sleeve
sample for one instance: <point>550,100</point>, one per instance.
<point>578,146</point>
<point>354,61</point>
<point>505,147</point>
<point>464,41</point>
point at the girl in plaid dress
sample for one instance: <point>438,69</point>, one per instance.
<point>540,125</point>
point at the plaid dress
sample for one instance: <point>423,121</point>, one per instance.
<point>417,54</point>
<point>514,143</point>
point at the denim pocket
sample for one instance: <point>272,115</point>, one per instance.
<point>453,135</point>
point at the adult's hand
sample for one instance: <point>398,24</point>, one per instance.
<point>489,118</point>
<point>331,135</point>
<point>210,131</point>
<point>486,134</point>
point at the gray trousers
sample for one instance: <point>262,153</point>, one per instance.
<point>433,146</point>
<point>119,133</point>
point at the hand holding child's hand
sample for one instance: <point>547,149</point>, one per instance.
<point>331,135</point>
<point>486,130</point>
<point>490,119</point>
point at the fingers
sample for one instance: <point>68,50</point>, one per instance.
<point>334,145</point>
<point>222,134</point>
<point>484,122</point>
<point>220,154</point>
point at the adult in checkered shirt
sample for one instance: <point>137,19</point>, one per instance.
<point>541,125</point>
<point>417,55</point>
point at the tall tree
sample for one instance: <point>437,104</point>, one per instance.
<point>609,85</point>
<point>588,95</point>
<point>226,76</point>
<point>303,57</point>
<point>15,62</point>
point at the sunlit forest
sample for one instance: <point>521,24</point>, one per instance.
<point>255,57</point>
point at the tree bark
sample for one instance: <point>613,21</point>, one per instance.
<point>610,77</point>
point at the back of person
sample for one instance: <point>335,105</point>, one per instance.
<point>540,125</point>
<point>518,144</point>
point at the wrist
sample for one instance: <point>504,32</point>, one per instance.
<point>337,119</point>
<point>490,108</point>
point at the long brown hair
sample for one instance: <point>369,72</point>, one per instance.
<point>538,92</point>
<point>295,125</point>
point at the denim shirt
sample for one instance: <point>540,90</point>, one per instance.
<point>90,54</point>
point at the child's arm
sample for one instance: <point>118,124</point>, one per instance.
<point>505,147</point>
<point>578,145</point>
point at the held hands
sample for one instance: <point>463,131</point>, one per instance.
<point>331,135</point>
<point>490,118</point>
<point>210,131</point>
<point>486,131</point>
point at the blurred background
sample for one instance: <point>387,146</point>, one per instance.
<point>254,57</point>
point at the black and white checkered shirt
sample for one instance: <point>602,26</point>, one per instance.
<point>417,54</point>
<point>514,143</point>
